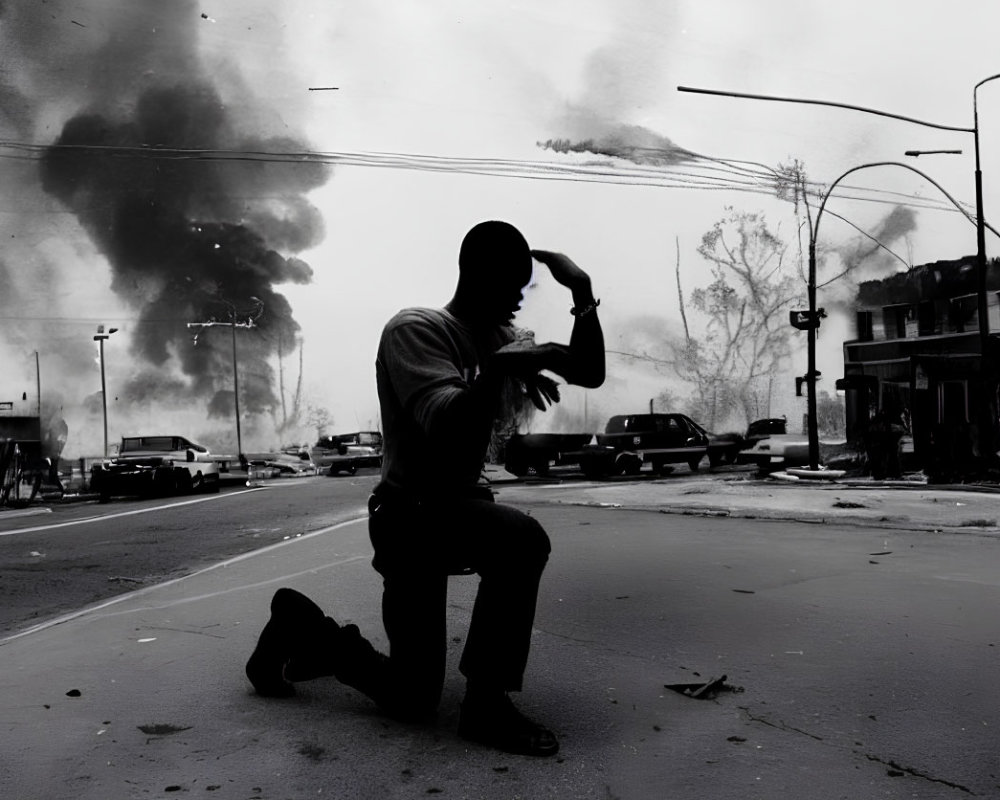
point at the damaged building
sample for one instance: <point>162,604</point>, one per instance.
<point>918,361</point>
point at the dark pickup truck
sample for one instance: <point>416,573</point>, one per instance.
<point>631,440</point>
<point>628,442</point>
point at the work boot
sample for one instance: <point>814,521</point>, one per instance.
<point>496,722</point>
<point>315,654</point>
<point>294,619</point>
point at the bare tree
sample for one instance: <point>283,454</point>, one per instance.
<point>746,336</point>
<point>319,419</point>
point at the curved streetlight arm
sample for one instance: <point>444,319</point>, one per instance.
<point>811,374</point>
<point>829,191</point>
<point>829,103</point>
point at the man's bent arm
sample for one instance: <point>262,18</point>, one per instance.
<point>581,362</point>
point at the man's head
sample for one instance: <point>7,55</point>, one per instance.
<point>494,266</point>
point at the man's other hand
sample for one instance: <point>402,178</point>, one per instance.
<point>541,390</point>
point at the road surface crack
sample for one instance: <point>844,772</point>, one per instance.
<point>916,773</point>
<point>895,769</point>
<point>781,726</point>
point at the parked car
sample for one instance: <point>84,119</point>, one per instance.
<point>631,440</point>
<point>292,462</point>
<point>348,452</point>
<point>538,452</point>
<point>155,465</point>
<point>779,451</point>
<point>726,448</point>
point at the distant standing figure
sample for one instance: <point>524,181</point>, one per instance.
<point>440,375</point>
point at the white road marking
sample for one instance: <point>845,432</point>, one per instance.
<point>148,589</point>
<point>133,512</point>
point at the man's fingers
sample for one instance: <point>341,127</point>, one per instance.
<point>535,396</point>
<point>542,391</point>
<point>550,388</point>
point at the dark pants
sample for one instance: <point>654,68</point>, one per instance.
<point>417,546</point>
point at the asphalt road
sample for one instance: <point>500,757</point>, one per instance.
<point>863,656</point>
<point>68,556</point>
<point>61,557</point>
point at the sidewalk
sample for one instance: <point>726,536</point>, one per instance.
<point>903,504</point>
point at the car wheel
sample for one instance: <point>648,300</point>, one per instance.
<point>164,482</point>
<point>693,464</point>
<point>628,464</point>
<point>518,468</point>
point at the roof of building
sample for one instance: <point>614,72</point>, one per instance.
<point>934,281</point>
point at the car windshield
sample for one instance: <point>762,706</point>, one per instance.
<point>766,426</point>
<point>158,444</point>
<point>643,422</point>
<point>163,443</point>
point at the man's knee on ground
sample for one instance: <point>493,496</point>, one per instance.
<point>527,545</point>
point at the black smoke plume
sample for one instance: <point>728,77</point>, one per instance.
<point>196,220</point>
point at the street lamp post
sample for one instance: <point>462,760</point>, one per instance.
<point>986,432</point>
<point>99,337</point>
<point>984,321</point>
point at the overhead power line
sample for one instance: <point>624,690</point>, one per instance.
<point>696,172</point>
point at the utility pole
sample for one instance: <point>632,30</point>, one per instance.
<point>38,387</point>
<point>251,317</point>
<point>99,338</point>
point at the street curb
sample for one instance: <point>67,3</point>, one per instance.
<point>779,516</point>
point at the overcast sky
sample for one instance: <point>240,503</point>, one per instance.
<point>422,89</point>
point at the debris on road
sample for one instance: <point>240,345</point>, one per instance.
<point>703,691</point>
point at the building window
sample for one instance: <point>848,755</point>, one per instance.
<point>865,326</point>
<point>963,313</point>
<point>953,402</point>
<point>926,318</point>
<point>894,319</point>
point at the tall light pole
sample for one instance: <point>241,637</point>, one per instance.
<point>986,431</point>
<point>984,320</point>
<point>814,233</point>
<point>99,337</point>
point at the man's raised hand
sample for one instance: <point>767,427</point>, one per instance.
<point>563,270</point>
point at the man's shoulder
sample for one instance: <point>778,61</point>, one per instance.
<point>430,319</point>
<point>417,314</point>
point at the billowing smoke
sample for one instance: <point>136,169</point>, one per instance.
<point>167,163</point>
<point>630,142</point>
<point>185,237</point>
<point>875,255</point>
